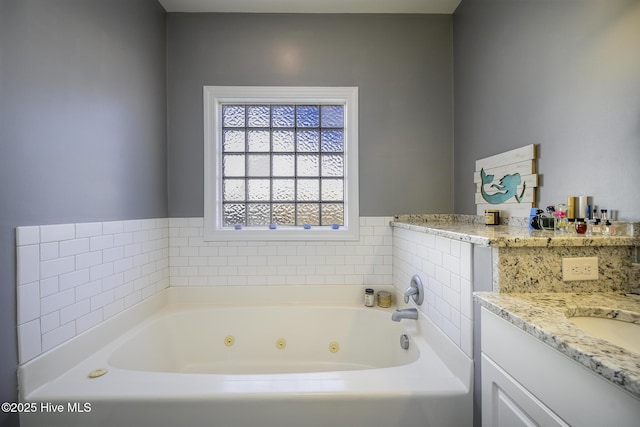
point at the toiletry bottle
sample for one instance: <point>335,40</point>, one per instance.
<point>561,217</point>
<point>612,227</point>
<point>605,222</point>
<point>595,223</point>
<point>571,207</point>
<point>534,219</point>
<point>369,297</point>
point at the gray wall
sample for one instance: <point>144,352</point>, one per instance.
<point>83,86</point>
<point>561,74</point>
<point>401,64</point>
<point>82,126</point>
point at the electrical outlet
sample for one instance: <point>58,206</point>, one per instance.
<point>579,269</point>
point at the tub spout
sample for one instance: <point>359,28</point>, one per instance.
<point>407,313</point>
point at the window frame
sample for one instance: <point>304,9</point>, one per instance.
<point>214,97</point>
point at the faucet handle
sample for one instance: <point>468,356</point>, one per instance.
<point>409,292</point>
<point>415,290</point>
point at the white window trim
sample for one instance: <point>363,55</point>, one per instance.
<point>214,97</point>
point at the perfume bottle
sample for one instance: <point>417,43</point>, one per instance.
<point>596,228</point>
<point>606,225</point>
<point>581,226</point>
<point>561,217</point>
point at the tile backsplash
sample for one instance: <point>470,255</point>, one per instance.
<point>71,277</point>
<point>194,262</point>
<point>445,268</point>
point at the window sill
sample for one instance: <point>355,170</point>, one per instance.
<point>284,234</point>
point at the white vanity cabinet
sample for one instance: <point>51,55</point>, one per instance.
<point>506,403</point>
<point>525,382</point>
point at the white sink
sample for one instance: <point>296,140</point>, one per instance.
<point>621,333</point>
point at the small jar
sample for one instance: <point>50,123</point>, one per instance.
<point>491,217</point>
<point>384,299</point>
<point>548,222</point>
<point>369,297</point>
<point>581,227</point>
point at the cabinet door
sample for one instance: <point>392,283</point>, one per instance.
<point>505,403</point>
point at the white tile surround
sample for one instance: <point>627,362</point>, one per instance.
<point>194,262</point>
<point>71,277</point>
<point>445,267</point>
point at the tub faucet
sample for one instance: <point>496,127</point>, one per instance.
<point>407,313</point>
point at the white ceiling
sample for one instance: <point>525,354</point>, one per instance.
<point>312,6</point>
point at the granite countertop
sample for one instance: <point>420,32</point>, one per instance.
<point>470,228</point>
<point>542,315</point>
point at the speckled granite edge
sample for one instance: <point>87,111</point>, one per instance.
<point>422,219</point>
<point>444,232</point>
<point>543,317</point>
<point>624,228</point>
<point>466,228</point>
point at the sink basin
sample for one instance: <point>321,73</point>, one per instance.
<point>623,333</point>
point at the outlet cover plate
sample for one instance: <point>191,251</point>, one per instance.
<point>585,268</point>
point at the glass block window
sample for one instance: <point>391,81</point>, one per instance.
<point>280,163</point>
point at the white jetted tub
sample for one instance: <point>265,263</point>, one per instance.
<point>252,356</point>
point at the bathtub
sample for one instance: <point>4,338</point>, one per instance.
<point>252,356</point>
